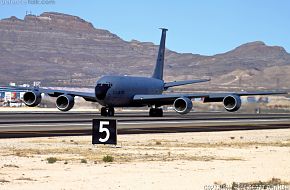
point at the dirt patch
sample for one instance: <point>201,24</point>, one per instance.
<point>147,161</point>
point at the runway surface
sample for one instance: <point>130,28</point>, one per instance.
<point>38,124</point>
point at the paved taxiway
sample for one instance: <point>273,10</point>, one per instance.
<point>33,124</point>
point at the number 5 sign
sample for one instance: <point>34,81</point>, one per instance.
<point>104,131</point>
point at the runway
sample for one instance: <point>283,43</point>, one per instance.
<point>40,124</point>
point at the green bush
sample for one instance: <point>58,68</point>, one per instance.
<point>108,158</point>
<point>51,160</point>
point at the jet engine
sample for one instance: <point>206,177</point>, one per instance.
<point>182,105</point>
<point>232,103</point>
<point>65,102</point>
<point>32,98</point>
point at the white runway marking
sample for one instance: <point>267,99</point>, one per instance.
<point>206,121</point>
<point>43,125</point>
<point>236,121</point>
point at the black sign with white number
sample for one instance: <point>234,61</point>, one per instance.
<point>104,131</point>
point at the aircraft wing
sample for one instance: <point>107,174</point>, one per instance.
<point>179,83</point>
<point>165,99</point>
<point>7,88</point>
<point>89,96</point>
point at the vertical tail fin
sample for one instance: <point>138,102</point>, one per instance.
<point>158,71</point>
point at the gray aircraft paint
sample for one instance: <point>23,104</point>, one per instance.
<point>158,71</point>
<point>131,91</point>
<point>124,88</point>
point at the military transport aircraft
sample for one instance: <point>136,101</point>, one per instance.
<point>131,91</point>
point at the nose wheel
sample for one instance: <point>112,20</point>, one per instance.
<point>107,111</point>
<point>156,112</point>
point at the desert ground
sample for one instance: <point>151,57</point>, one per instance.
<point>206,160</point>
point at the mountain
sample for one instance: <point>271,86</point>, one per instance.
<point>64,50</point>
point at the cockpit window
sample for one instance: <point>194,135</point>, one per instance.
<point>102,89</point>
<point>105,84</point>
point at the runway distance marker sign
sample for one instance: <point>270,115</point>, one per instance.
<point>104,131</point>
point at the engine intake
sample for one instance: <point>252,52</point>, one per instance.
<point>182,105</point>
<point>232,103</point>
<point>65,102</point>
<point>32,98</point>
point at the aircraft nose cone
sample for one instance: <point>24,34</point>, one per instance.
<point>101,91</point>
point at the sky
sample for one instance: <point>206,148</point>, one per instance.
<point>205,27</point>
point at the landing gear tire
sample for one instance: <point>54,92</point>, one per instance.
<point>111,111</point>
<point>104,111</point>
<point>107,111</point>
<point>156,112</point>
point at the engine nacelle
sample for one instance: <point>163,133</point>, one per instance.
<point>65,102</point>
<point>232,103</point>
<point>182,105</point>
<point>32,98</point>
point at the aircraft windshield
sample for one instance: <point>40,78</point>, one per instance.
<point>102,89</point>
<point>104,84</point>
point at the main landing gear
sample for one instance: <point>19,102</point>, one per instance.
<point>107,111</point>
<point>156,112</point>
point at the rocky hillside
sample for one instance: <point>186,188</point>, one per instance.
<point>64,50</point>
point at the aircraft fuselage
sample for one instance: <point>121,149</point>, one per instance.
<point>118,91</point>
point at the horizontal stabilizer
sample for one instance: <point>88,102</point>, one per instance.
<point>179,83</point>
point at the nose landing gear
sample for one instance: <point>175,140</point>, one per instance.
<point>156,112</point>
<point>107,111</point>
